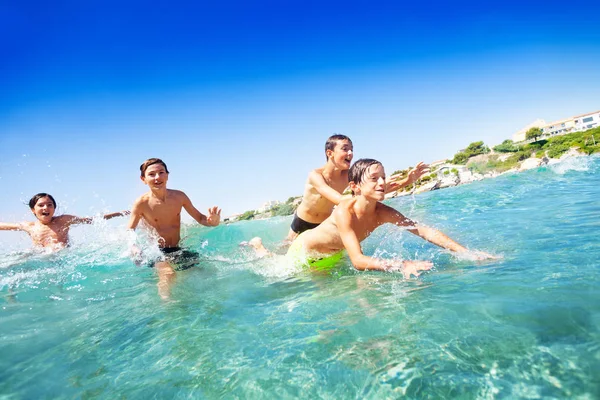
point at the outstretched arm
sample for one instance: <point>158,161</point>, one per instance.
<point>362,262</point>
<point>213,218</point>
<point>430,234</point>
<point>88,220</point>
<point>11,227</point>
<point>116,214</point>
<point>413,175</point>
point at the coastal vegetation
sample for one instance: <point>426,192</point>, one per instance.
<point>552,147</point>
<point>474,149</point>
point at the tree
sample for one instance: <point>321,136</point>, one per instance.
<point>533,133</point>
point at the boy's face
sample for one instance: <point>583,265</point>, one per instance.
<point>373,183</point>
<point>44,210</point>
<point>156,176</point>
<point>342,154</point>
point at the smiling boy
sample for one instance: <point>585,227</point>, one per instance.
<point>324,187</point>
<point>48,231</point>
<point>160,209</point>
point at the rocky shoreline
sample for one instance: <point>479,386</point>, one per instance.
<point>463,174</point>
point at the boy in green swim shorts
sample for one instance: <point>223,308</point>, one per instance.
<point>325,185</point>
<point>354,220</point>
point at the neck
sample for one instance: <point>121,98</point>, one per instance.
<point>365,205</point>
<point>160,194</point>
<point>331,169</point>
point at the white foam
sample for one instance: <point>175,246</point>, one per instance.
<point>571,164</point>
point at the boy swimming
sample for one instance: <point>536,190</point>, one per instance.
<point>324,186</point>
<point>353,221</point>
<point>48,231</point>
<point>160,209</point>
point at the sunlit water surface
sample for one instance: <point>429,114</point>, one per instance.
<point>88,323</point>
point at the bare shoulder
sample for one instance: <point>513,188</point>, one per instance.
<point>174,192</point>
<point>26,226</point>
<point>143,199</point>
<point>385,211</point>
<point>346,206</point>
<point>315,175</point>
<point>178,194</point>
<point>64,218</point>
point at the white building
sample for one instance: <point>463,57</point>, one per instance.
<point>267,206</point>
<point>578,123</point>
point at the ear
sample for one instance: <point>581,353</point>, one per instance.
<point>354,187</point>
<point>328,153</point>
<point>142,179</point>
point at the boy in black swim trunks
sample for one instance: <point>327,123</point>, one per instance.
<point>160,209</point>
<point>324,186</point>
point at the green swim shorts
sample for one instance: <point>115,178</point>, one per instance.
<point>297,254</point>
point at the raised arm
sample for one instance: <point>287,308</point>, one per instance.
<point>214,213</point>
<point>318,182</point>
<point>413,175</point>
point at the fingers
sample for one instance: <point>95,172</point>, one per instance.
<point>214,211</point>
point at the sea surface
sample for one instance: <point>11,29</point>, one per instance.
<point>88,323</point>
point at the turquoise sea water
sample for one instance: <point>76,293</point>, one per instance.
<point>88,323</point>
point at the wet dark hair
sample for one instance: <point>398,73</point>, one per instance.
<point>38,196</point>
<point>357,171</point>
<point>149,162</point>
<point>332,141</point>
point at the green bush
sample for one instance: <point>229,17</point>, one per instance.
<point>282,209</point>
<point>474,149</point>
<point>508,146</point>
<point>247,215</point>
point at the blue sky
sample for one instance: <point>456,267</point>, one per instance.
<point>239,97</point>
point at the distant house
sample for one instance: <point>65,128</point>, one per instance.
<point>574,124</point>
<point>519,136</point>
<point>267,206</point>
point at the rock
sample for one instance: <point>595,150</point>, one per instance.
<point>427,187</point>
<point>448,181</point>
<point>530,163</point>
<point>572,152</point>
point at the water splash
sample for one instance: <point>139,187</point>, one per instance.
<point>580,164</point>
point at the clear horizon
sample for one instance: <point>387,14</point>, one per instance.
<point>238,99</point>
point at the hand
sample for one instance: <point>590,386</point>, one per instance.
<point>214,216</point>
<point>411,267</point>
<point>136,255</point>
<point>417,172</point>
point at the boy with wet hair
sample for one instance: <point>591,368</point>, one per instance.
<point>354,220</point>
<point>160,209</point>
<point>324,187</point>
<point>48,231</point>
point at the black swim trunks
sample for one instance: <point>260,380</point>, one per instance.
<point>299,225</point>
<point>181,258</point>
